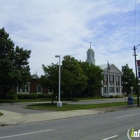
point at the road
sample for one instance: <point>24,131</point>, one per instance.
<point>106,126</point>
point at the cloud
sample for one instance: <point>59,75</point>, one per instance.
<point>66,27</point>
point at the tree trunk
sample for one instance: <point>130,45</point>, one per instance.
<point>53,97</point>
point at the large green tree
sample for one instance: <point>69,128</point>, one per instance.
<point>128,78</point>
<point>95,75</point>
<point>73,78</point>
<point>14,65</point>
<point>50,78</point>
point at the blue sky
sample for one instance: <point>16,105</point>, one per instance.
<point>65,27</point>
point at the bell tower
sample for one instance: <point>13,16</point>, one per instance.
<point>90,55</point>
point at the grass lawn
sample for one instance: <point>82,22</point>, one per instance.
<point>1,114</point>
<point>66,107</point>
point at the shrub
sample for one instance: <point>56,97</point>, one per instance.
<point>28,96</point>
<point>12,95</point>
<point>111,96</point>
<point>43,95</point>
<point>118,96</point>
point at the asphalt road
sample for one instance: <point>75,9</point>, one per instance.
<point>106,126</point>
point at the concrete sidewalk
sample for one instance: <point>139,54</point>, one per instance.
<point>10,118</point>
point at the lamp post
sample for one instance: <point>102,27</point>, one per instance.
<point>126,90</point>
<point>137,88</point>
<point>132,91</point>
<point>59,103</point>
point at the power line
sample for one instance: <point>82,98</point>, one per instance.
<point>135,23</point>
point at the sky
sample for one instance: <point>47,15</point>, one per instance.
<point>66,27</point>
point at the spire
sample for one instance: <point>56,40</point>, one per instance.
<point>90,55</point>
<point>90,44</point>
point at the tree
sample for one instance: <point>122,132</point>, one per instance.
<point>14,68</point>
<point>73,78</point>
<point>128,78</point>
<point>50,78</point>
<point>95,75</point>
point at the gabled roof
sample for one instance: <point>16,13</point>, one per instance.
<point>113,68</point>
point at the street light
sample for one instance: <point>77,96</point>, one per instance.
<point>137,88</point>
<point>59,103</point>
<point>132,91</point>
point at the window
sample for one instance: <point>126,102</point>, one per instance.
<point>117,78</point>
<point>39,89</point>
<point>50,91</point>
<point>111,77</point>
<point>105,90</point>
<point>23,89</point>
<point>111,89</point>
<point>105,77</point>
<point>117,89</point>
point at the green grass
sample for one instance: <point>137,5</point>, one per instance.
<point>66,107</point>
<point>1,114</point>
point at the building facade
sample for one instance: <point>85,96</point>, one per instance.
<point>33,86</point>
<point>112,84</point>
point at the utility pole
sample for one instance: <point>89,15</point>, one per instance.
<point>137,86</point>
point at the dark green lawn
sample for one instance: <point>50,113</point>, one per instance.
<point>66,107</point>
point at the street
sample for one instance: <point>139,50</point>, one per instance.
<point>106,126</point>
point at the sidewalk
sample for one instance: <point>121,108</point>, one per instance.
<point>10,118</point>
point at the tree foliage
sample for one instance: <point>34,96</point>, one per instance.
<point>76,77</point>
<point>95,75</point>
<point>128,78</point>
<point>14,68</point>
<point>73,77</point>
<point>50,78</point>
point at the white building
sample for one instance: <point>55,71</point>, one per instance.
<point>112,78</point>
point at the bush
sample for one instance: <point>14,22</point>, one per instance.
<point>12,95</point>
<point>118,96</point>
<point>134,95</point>
<point>111,96</point>
<point>28,96</point>
<point>44,95</point>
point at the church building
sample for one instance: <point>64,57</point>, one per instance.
<point>112,84</point>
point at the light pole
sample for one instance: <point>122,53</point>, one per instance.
<point>59,103</point>
<point>137,88</point>
<point>132,91</point>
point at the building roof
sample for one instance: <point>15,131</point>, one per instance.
<point>90,50</point>
<point>103,66</point>
<point>113,68</point>
<point>35,76</point>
